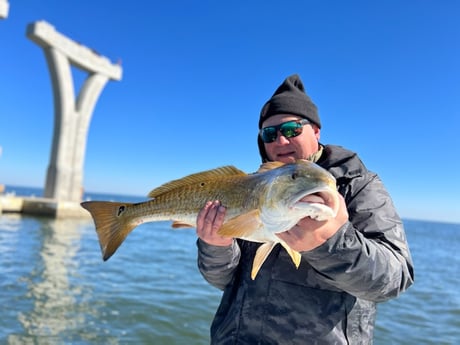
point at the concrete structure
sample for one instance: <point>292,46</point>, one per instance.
<point>72,115</point>
<point>4,7</point>
<point>41,207</point>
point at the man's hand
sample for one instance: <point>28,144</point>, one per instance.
<point>208,222</point>
<point>308,234</point>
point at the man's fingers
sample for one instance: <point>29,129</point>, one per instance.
<point>211,217</point>
<point>219,218</point>
<point>202,215</point>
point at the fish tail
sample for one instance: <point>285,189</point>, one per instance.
<point>112,224</point>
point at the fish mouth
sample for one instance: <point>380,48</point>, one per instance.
<point>321,203</point>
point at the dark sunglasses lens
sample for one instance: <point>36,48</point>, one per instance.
<point>291,129</point>
<point>269,134</point>
<point>287,129</point>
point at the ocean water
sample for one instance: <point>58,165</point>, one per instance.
<point>55,288</point>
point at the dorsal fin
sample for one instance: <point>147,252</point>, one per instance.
<point>270,166</point>
<point>201,177</point>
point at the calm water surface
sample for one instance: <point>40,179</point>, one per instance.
<point>55,288</point>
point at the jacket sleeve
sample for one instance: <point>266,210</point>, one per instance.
<point>369,256</point>
<point>217,263</point>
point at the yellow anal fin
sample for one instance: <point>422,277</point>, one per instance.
<point>295,255</point>
<point>177,224</point>
<point>262,254</point>
<point>242,226</point>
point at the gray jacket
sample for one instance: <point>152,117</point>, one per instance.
<point>331,298</point>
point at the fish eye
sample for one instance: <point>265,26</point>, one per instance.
<point>294,175</point>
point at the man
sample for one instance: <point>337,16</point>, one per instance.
<point>349,263</point>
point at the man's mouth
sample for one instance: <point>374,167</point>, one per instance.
<point>286,154</point>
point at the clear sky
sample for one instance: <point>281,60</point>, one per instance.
<point>385,76</point>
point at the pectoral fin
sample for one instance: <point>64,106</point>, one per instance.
<point>262,254</point>
<point>242,226</point>
<point>295,255</point>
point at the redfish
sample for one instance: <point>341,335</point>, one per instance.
<point>259,205</point>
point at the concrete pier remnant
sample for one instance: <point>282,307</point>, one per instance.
<point>4,7</point>
<point>72,115</point>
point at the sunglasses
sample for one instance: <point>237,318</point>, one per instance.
<point>287,129</point>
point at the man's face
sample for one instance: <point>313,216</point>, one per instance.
<point>288,150</point>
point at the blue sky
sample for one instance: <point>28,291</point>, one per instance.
<point>385,76</point>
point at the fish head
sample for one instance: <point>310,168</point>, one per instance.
<point>298,190</point>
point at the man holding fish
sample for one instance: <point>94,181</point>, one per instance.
<point>304,248</point>
<point>345,262</point>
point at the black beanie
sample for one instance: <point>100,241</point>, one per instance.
<point>290,98</point>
